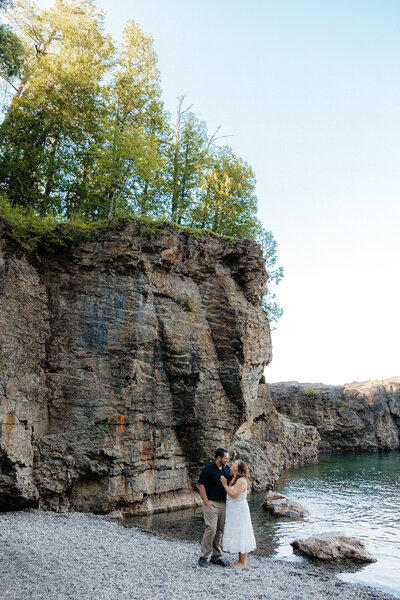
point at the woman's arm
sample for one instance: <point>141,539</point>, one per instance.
<point>238,488</point>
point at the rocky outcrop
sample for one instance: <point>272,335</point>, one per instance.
<point>333,546</point>
<point>268,442</point>
<point>355,416</point>
<point>279,505</point>
<point>124,362</point>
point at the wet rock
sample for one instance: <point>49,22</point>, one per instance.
<point>281,506</point>
<point>115,514</point>
<point>333,546</point>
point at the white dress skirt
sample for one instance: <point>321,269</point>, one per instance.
<point>238,532</point>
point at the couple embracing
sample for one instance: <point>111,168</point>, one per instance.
<point>223,490</point>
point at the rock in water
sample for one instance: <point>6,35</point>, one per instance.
<point>333,546</point>
<point>281,506</point>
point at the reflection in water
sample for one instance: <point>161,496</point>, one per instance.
<point>357,494</point>
<point>188,524</point>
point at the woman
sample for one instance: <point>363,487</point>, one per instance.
<point>238,532</point>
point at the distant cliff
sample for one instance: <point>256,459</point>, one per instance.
<point>355,416</point>
<point>125,361</point>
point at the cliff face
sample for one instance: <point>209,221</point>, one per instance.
<point>356,416</point>
<point>268,442</point>
<point>123,364</point>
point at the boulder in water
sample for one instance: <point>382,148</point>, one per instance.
<point>333,546</point>
<point>281,506</point>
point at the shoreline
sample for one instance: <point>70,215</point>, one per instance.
<point>76,556</point>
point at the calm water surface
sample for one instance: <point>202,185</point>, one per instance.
<point>358,494</point>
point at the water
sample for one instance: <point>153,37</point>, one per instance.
<point>358,494</point>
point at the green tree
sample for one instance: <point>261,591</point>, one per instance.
<point>52,121</point>
<point>187,158</point>
<point>275,274</point>
<point>130,163</point>
<point>226,202</point>
<point>11,50</point>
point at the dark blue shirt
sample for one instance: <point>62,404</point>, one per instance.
<point>210,477</point>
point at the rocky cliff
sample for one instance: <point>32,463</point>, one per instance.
<point>269,442</point>
<point>355,416</point>
<point>125,361</point>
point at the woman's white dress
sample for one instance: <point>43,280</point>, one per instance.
<point>238,533</point>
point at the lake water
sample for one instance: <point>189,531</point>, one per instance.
<point>358,494</point>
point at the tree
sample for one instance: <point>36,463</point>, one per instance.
<point>187,157</point>
<point>52,121</point>
<point>275,274</point>
<point>130,164</point>
<point>11,49</point>
<point>226,202</point>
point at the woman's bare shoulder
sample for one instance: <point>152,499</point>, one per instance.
<point>241,484</point>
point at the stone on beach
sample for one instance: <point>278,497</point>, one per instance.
<point>281,506</point>
<point>333,546</point>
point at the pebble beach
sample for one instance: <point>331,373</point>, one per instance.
<point>78,556</point>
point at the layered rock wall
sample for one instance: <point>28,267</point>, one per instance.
<point>24,332</point>
<point>269,442</point>
<point>356,416</point>
<point>124,362</point>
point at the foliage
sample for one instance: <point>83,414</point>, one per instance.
<point>309,391</point>
<point>188,304</point>
<point>32,231</point>
<point>52,121</point>
<point>2,362</point>
<point>275,274</point>
<point>227,203</point>
<point>128,166</point>
<point>86,142</point>
<point>186,155</point>
<point>11,49</point>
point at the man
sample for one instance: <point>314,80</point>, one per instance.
<point>214,498</point>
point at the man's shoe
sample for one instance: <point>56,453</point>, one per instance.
<point>220,562</point>
<point>202,562</point>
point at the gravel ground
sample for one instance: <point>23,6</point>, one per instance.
<point>76,556</point>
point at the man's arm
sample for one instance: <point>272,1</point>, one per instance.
<point>203,494</point>
<point>201,485</point>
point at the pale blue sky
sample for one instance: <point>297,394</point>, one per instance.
<point>310,93</point>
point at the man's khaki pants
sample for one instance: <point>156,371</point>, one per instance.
<point>214,519</point>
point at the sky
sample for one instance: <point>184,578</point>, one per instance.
<point>309,93</point>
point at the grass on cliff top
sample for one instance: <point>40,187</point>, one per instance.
<point>32,231</point>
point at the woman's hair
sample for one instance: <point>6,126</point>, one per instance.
<point>242,471</point>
